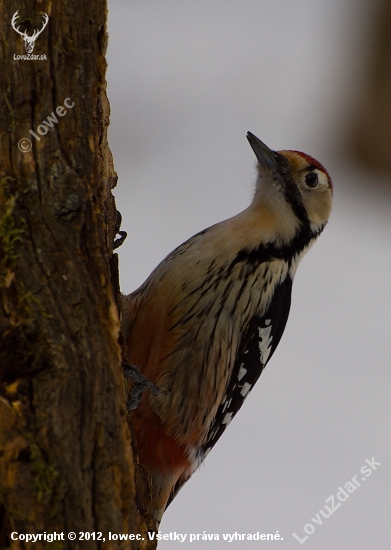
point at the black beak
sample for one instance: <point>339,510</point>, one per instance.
<point>268,159</point>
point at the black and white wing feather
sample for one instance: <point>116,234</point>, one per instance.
<point>258,345</point>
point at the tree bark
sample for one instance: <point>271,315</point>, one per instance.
<point>66,462</point>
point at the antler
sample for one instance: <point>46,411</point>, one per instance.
<point>29,40</point>
<point>13,21</point>
<point>45,22</point>
<point>24,34</point>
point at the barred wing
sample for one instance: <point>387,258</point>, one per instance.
<point>257,346</point>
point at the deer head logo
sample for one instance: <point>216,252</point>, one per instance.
<point>29,40</point>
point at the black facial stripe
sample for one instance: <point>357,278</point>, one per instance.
<point>293,198</point>
<point>269,252</point>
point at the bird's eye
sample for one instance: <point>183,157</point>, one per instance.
<point>311,179</point>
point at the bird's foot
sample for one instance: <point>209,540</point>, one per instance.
<point>141,383</point>
<point>122,234</point>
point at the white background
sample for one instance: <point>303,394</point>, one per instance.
<point>186,80</point>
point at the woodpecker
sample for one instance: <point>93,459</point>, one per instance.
<point>209,317</point>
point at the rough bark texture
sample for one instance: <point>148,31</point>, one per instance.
<point>66,461</point>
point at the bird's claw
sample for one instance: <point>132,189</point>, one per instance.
<point>120,239</point>
<point>122,234</point>
<point>141,383</point>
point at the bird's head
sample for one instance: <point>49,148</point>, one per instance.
<point>293,189</point>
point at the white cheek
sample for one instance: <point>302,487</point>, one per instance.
<point>317,202</point>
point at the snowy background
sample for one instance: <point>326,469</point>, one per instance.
<point>186,80</point>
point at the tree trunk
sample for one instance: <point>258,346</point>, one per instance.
<point>66,462</point>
